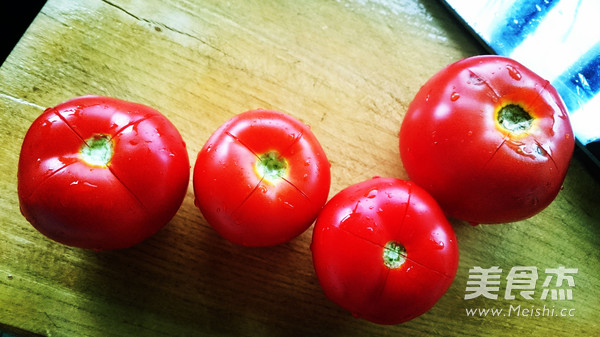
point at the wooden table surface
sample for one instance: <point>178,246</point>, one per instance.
<point>349,68</point>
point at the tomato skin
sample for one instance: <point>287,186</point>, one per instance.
<point>349,239</point>
<point>235,199</point>
<point>451,144</point>
<point>101,207</point>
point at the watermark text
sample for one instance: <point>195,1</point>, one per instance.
<point>521,311</point>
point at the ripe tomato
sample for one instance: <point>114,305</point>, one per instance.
<point>384,250</point>
<point>101,173</point>
<point>261,178</point>
<point>489,139</point>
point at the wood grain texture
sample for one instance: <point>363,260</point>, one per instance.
<point>347,68</point>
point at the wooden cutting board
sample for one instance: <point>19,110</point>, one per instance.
<point>348,68</point>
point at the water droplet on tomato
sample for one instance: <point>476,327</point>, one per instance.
<point>454,97</point>
<point>514,73</point>
<point>470,133</point>
<point>540,150</point>
<point>355,207</point>
<point>262,188</point>
<point>218,210</point>
<point>288,205</point>
<point>307,162</point>
<point>475,80</point>
<point>305,176</point>
<point>371,194</point>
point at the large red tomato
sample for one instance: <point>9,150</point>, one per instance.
<point>489,139</point>
<point>384,250</point>
<point>261,178</point>
<point>101,173</point>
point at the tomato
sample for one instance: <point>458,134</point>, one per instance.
<point>383,250</point>
<point>261,178</point>
<point>101,173</point>
<point>489,139</point>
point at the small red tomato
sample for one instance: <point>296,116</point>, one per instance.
<point>489,139</point>
<point>383,250</point>
<point>101,173</point>
<point>261,178</point>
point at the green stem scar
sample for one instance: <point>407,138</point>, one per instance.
<point>98,150</point>
<point>514,118</point>
<point>271,166</point>
<point>394,255</point>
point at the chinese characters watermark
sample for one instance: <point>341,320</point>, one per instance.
<point>557,284</point>
<point>521,281</point>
